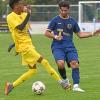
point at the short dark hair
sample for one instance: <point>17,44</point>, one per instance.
<point>63,4</point>
<point>12,2</point>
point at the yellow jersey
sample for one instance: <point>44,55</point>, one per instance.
<point>21,38</point>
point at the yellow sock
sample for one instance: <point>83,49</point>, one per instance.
<point>50,70</point>
<point>24,77</point>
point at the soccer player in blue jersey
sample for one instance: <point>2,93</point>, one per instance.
<point>61,29</point>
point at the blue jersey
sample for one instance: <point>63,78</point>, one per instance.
<point>67,26</point>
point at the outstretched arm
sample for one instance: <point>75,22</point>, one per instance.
<point>88,34</point>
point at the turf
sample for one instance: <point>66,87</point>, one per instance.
<point>11,69</point>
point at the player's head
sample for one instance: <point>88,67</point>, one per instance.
<point>64,8</point>
<point>13,2</point>
<point>16,5</point>
<point>64,4</point>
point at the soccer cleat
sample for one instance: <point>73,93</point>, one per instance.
<point>66,84</point>
<point>76,88</point>
<point>8,88</point>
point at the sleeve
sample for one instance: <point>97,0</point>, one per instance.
<point>51,25</point>
<point>76,28</point>
<point>23,24</point>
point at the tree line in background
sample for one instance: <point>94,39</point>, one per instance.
<point>48,2</point>
<point>3,4</point>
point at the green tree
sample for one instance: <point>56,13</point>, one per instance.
<point>48,2</point>
<point>29,1</point>
<point>2,8</point>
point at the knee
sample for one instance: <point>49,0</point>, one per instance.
<point>45,61</point>
<point>32,66</point>
<point>33,71</point>
<point>74,64</point>
<point>60,64</point>
<point>40,59</point>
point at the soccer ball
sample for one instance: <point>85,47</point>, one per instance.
<point>38,87</point>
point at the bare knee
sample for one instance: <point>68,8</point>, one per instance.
<point>74,64</point>
<point>60,64</point>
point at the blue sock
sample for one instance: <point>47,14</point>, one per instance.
<point>75,75</point>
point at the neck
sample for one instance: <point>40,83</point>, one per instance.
<point>16,11</point>
<point>64,17</point>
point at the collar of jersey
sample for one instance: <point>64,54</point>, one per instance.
<point>64,18</point>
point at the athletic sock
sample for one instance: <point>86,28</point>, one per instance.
<point>24,77</point>
<point>62,72</point>
<point>75,75</point>
<point>50,69</point>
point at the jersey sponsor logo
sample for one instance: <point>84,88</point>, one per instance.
<point>59,23</point>
<point>67,34</point>
<point>69,26</point>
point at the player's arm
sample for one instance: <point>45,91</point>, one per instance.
<point>26,9</point>
<point>22,25</point>
<point>88,34</point>
<point>50,34</point>
<point>81,34</point>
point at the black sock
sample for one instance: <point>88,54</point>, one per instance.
<point>62,72</point>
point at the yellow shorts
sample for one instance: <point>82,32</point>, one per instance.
<point>30,57</point>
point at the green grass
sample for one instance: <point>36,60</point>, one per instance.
<point>11,69</point>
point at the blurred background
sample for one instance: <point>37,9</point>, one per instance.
<point>86,12</point>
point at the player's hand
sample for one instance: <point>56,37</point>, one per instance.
<point>27,8</point>
<point>57,37</point>
<point>96,32</point>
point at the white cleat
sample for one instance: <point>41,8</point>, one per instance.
<point>76,88</point>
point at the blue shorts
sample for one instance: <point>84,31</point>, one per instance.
<point>66,55</point>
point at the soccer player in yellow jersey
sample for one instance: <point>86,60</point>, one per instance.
<point>18,25</point>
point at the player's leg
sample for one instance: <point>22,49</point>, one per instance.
<point>48,68</point>
<point>59,56</point>
<point>25,76</point>
<point>46,65</point>
<point>21,79</point>
<point>35,57</point>
<point>29,59</point>
<point>51,71</point>
<point>74,64</point>
<point>75,76</point>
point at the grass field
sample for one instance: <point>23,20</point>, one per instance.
<point>11,69</point>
